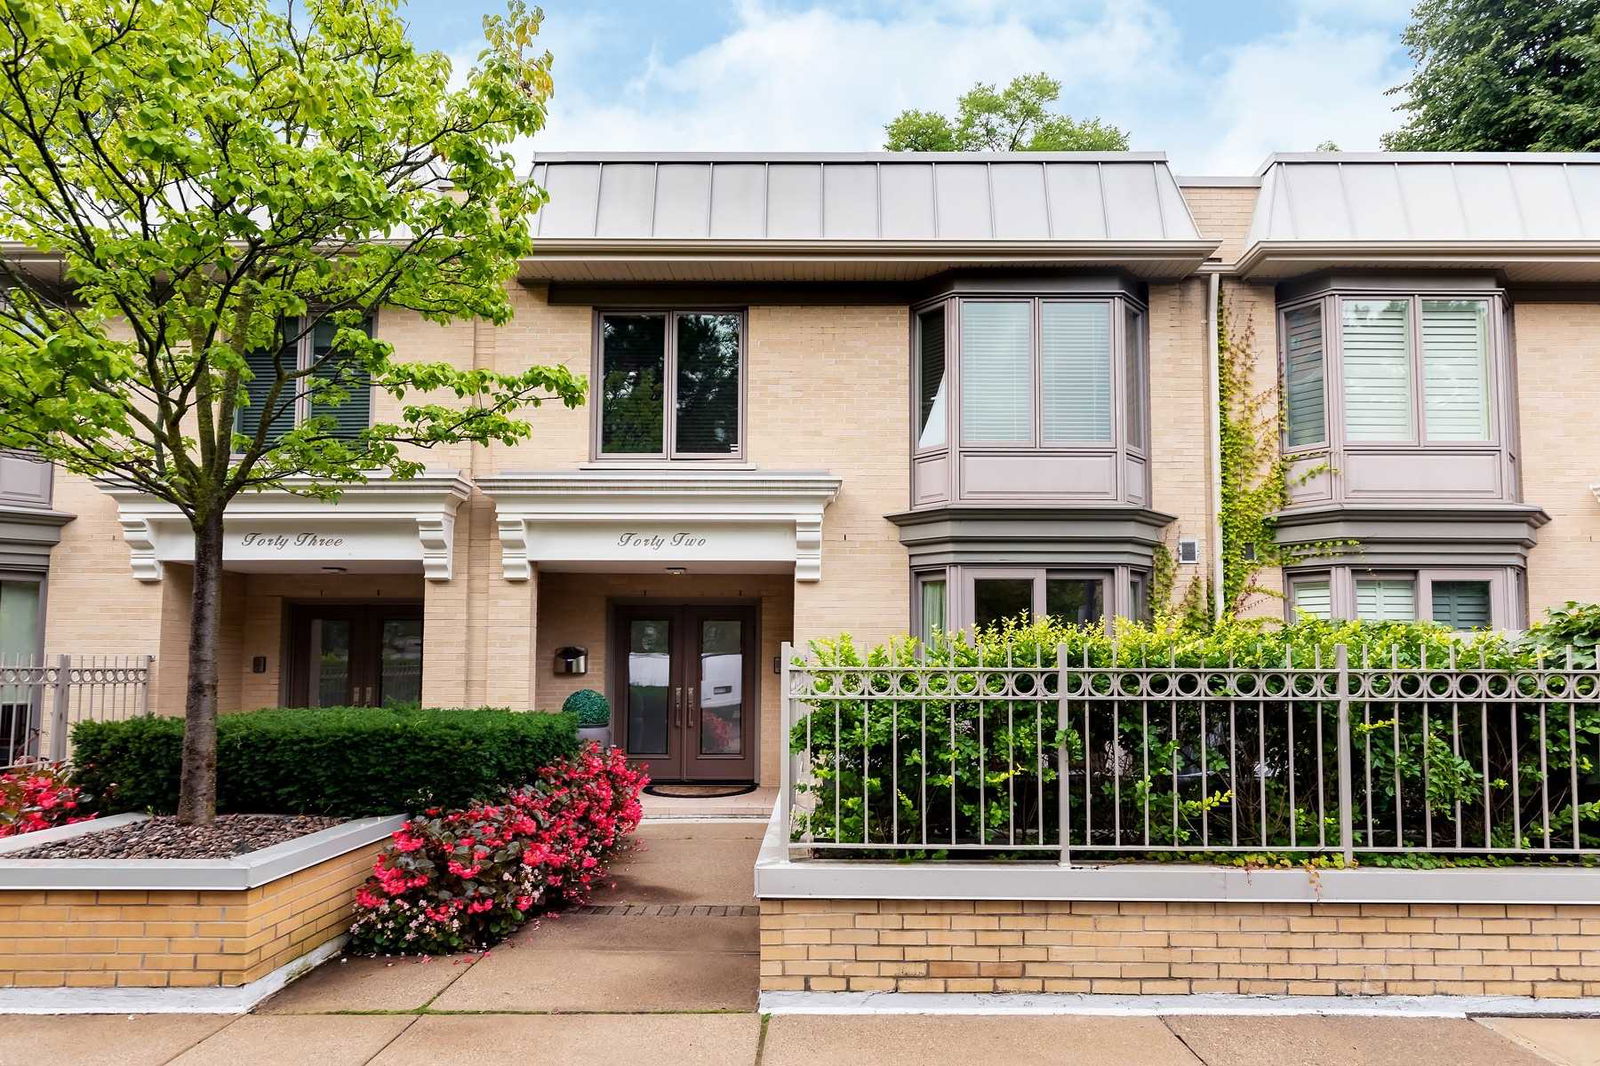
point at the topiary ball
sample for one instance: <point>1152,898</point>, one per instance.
<point>591,707</point>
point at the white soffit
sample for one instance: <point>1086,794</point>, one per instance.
<point>1533,215</point>
<point>633,520</point>
<point>877,216</point>
<point>381,526</point>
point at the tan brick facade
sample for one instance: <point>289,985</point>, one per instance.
<point>169,939</point>
<point>1180,948</point>
<point>826,390</point>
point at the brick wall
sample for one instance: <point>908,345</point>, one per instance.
<point>1166,948</point>
<point>169,939</point>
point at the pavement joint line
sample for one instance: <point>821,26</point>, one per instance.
<point>761,1039</point>
<point>430,1012</point>
<point>1179,1037</point>
<point>387,1044</point>
<point>196,1043</point>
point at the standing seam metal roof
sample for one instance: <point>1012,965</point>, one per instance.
<point>1428,197</point>
<point>889,197</point>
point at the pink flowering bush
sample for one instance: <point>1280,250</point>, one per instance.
<point>466,879</point>
<point>38,797</point>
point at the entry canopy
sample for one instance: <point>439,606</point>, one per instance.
<point>887,216</point>
<point>1534,216</point>
<point>383,526</point>
<point>639,521</point>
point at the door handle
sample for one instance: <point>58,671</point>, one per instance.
<point>677,708</point>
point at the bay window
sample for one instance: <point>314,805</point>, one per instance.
<point>1030,398</point>
<point>962,596</point>
<point>670,385</point>
<point>1458,597</point>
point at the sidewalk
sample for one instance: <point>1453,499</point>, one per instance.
<point>662,969</point>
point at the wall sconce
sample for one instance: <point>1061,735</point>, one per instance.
<point>572,660</point>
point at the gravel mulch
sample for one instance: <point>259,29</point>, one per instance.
<point>164,838</point>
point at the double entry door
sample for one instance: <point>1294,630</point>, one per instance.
<point>686,685</point>
<point>355,655</point>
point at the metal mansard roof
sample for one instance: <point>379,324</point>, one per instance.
<point>886,216</point>
<point>1534,215</point>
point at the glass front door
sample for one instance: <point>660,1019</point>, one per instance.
<point>687,690</point>
<point>353,655</point>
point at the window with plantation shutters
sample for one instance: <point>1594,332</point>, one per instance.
<point>347,377</point>
<point>1075,371</point>
<point>1390,599</point>
<point>1305,394</point>
<point>1313,597</point>
<point>997,372</point>
<point>1462,604</point>
<point>338,389</point>
<point>1376,350</point>
<point>264,366</point>
<point>1455,369</point>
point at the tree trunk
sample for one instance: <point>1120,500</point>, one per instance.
<point>197,794</point>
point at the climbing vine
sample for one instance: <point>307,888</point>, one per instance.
<point>1256,475</point>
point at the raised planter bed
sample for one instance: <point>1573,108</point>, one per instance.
<point>100,935</point>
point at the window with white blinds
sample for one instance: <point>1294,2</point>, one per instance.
<point>1462,604</point>
<point>1313,597</point>
<point>1305,394</point>
<point>1389,599</point>
<point>1455,369</point>
<point>931,404</point>
<point>996,372</point>
<point>1377,370</point>
<point>1075,371</point>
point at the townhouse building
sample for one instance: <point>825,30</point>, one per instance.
<point>882,394</point>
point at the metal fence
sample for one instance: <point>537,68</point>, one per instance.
<point>42,699</point>
<point>1339,754</point>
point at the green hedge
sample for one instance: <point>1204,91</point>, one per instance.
<point>348,761</point>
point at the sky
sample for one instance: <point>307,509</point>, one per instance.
<point>1216,84</point>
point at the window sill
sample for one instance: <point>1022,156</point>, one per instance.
<point>666,464</point>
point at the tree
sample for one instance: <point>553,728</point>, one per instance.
<point>1501,75</point>
<point>1015,119</point>
<point>192,186</point>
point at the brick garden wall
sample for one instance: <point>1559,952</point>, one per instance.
<point>161,939</point>
<point>1166,948</point>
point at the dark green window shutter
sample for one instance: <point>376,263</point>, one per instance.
<point>1461,604</point>
<point>263,366</point>
<point>355,413</point>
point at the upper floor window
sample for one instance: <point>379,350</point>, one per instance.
<point>671,385</point>
<point>1036,373</point>
<point>1409,370</point>
<point>1030,398</point>
<point>300,398</point>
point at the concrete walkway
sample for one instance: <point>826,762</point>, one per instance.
<point>662,969</point>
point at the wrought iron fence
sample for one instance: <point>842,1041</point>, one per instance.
<point>1339,754</point>
<point>42,699</point>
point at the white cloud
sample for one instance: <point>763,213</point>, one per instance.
<point>1290,92</point>
<point>815,79</point>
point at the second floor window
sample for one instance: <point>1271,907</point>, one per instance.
<point>670,385</point>
<point>1036,373</point>
<point>300,398</point>
<point>1412,369</point>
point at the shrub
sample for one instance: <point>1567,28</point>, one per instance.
<point>591,707</point>
<point>960,756</point>
<point>466,879</point>
<point>39,797</point>
<point>348,761</point>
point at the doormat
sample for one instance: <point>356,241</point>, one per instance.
<point>698,791</point>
